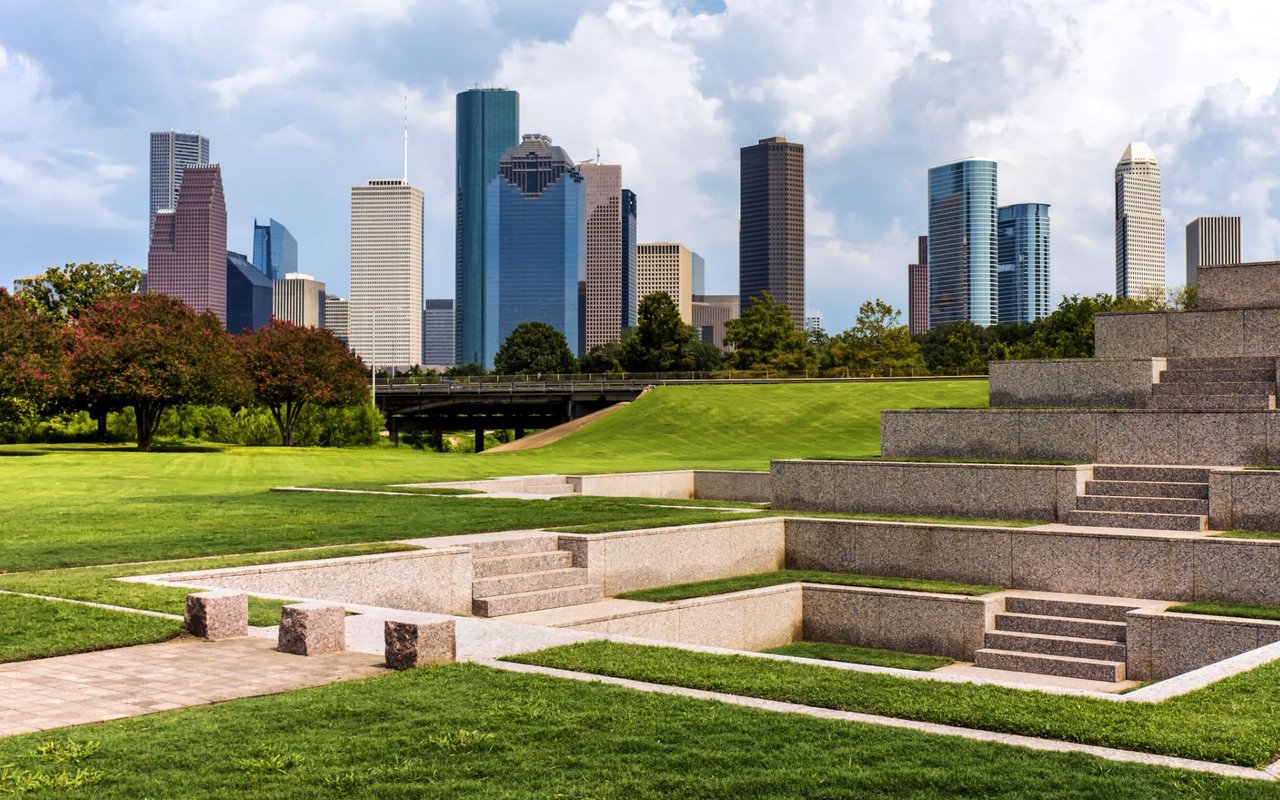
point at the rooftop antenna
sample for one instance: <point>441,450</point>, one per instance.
<point>406,139</point>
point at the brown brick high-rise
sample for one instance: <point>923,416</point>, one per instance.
<point>771,229</point>
<point>188,256</point>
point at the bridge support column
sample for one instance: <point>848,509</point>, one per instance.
<point>519,433</point>
<point>393,431</point>
<point>479,440</point>
<point>437,438</point>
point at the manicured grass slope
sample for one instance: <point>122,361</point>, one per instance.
<point>1232,721</point>
<point>466,732</point>
<point>877,656</point>
<point>34,628</point>
<point>738,583</point>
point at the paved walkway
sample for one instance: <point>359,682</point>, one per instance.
<point>110,684</point>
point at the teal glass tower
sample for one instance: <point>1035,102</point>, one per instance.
<point>962,243</point>
<point>488,124</point>
<point>1024,262</point>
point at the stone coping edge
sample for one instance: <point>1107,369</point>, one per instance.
<point>297,566</point>
<point>932,464</point>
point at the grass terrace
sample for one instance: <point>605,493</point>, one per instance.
<point>684,591</point>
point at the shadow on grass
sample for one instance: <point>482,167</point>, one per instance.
<point>155,448</point>
<point>21,452</point>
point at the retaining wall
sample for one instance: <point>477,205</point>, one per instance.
<point>1110,437</point>
<point>1170,566</point>
<point>894,487</point>
<point>912,622</point>
<point>743,487</point>
<point>436,580</point>
<point>1235,332</point>
<point>1249,285</point>
<point>1247,500</point>
<point>1074,383</point>
<point>750,487</point>
<point>1162,644</point>
<point>628,560</point>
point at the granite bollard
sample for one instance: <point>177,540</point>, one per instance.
<point>310,629</point>
<point>217,615</point>
<point>419,644</point>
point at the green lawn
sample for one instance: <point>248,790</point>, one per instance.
<point>34,628</point>
<point>1232,721</point>
<point>1230,610</point>
<point>470,732</point>
<point>876,656</point>
<point>738,583</point>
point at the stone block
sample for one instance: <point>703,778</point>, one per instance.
<point>1145,566</point>
<point>894,550</point>
<point>419,644</point>
<point>743,487</point>
<point>310,629</point>
<point>841,617</point>
<point>1262,332</point>
<point>713,624</point>
<point>1248,285</point>
<point>1235,571</point>
<point>1131,335</point>
<point>1220,505</point>
<point>662,625</point>
<point>971,555</point>
<point>1138,645</point>
<point>829,545</point>
<point>1026,383</point>
<point>1206,333</point>
<point>1138,437</point>
<point>1181,643</point>
<point>1053,562</point>
<point>1057,435</point>
<point>217,615</point>
<point>1253,498</point>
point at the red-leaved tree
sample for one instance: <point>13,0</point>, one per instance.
<point>32,359</point>
<point>290,367</point>
<point>150,351</point>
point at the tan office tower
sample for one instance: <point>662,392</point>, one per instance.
<point>604,252</point>
<point>385,307</point>
<point>336,317</point>
<point>666,267</point>
<point>1212,241</point>
<point>771,228</point>
<point>1139,225</point>
<point>299,299</point>
<point>711,312</point>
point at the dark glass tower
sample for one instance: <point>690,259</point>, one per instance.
<point>771,228</point>
<point>630,303</point>
<point>488,124</point>
<point>962,243</point>
<point>535,245</point>
<point>1024,262</point>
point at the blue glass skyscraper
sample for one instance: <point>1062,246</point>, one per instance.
<point>962,243</point>
<point>535,244</point>
<point>1024,262</point>
<point>630,303</point>
<point>488,124</point>
<point>275,251</point>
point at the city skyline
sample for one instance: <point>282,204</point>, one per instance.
<point>296,121</point>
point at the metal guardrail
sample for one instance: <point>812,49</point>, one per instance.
<point>557,385</point>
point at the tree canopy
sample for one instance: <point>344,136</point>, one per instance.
<point>534,347</point>
<point>290,367</point>
<point>878,343</point>
<point>32,361</point>
<point>62,293</point>
<point>660,340</point>
<point>765,335</point>
<point>151,352</point>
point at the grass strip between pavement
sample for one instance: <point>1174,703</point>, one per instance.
<point>875,656</point>
<point>738,583</point>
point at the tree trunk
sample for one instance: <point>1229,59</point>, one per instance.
<point>100,415</point>
<point>141,414</point>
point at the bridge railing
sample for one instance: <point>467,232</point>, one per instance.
<point>718,376</point>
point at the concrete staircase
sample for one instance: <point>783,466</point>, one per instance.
<point>1159,498</point>
<point>1216,384</point>
<point>1066,638</point>
<point>513,576</point>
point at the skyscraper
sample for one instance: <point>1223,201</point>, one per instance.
<point>1139,225</point>
<point>604,252</point>
<point>918,289</point>
<point>171,152</point>
<point>535,243</point>
<point>299,299</point>
<point>386,273</point>
<point>1211,241</point>
<point>1023,271</point>
<point>711,312</point>
<point>962,243</point>
<point>437,332</point>
<point>275,251</point>
<point>248,295</point>
<point>188,253</point>
<point>337,317</point>
<point>771,228</point>
<point>488,124</point>
<point>630,301</point>
<point>667,267</point>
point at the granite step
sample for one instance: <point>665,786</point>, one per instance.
<point>1197,363</point>
<point>1212,402</point>
<point>1142,505</point>
<point>1104,630</point>
<point>1147,489</point>
<point>1238,375</point>
<point>523,562</point>
<point>1063,666</point>
<point>523,602</point>
<point>529,582</point>
<point>1069,646</point>
<point>515,546</point>
<point>1073,609</point>
<point>1127,472</point>
<point>1230,387</point>
<point>1129,519</point>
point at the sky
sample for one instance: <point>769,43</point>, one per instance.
<point>301,100</point>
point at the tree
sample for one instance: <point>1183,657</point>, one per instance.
<point>660,340</point>
<point>878,343</point>
<point>766,336</point>
<point>151,352</point>
<point>289,367</point>
<point>62,293</point>
<point>469,370</point>
<point>32,360</point>
<point>602,358</point>
<point>534,347</point>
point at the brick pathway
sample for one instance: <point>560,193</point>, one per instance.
<point>92,687</point>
